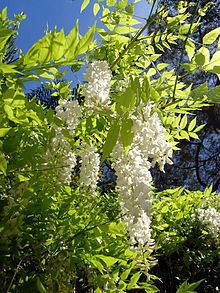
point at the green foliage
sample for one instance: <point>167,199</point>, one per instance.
<point>182,242</point>
<point>188,288</point>
<point>57,237</point>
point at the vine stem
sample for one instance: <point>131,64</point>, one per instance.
<point>135,38</point>
<point>15,273</point>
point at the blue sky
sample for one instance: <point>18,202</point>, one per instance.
<point>62,13</point>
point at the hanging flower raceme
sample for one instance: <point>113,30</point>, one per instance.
<point>150,137</point>
<point>89,171</point>
<point>211,219</point>
<point>69,112</point>
<point>61,156</point>
<point>134,179</point>
<point>60,153</point>
<point>98,82</point>
<point>134,185</point>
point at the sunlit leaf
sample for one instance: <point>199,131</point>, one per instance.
<point>84,5</point>
<point>210,37</point>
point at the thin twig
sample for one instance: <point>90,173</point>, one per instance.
<point>15,273</point>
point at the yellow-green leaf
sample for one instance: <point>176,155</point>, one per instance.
<point>126,135</point>
<point>193,135</point>
<point>192,124</point>
<point>96,8</point>
<point>183,122</point>
<point>111,139</point>
<point>8,68</point>
<point>202,57</point>
<point>4,131</point>
<point>108,260</point>
<point>71,42</point>
<point>111,2</point>
<point>85,41</point>
<point>84,5</point>
<point>210,37</point>
<point>190,49</point>
<point>3,164</point>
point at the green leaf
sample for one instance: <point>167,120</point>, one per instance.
<point>111,139</point>
<point>39,51</point>
<point>151,72</point>
<point>97,264</point>
<point>184,134</point>
<point>193,135</point>
<point>33,115</point>
<point>210,37</point>
<point>161,66</point>
<point>8,68</point>
<point>4,14</point>
<point>199,92</point>
<point>126,101</point>
<point>125,274</point>
<point>130,8</point>
<point>190,48</point>
<point>192,124</point>
<point>10,114</point>
<point>145,93</point>
<point>188,288</point>
<point>126,134</point>
<point>214,94</point>
<point>214,62</point>
<point>154,95</point>
<point>4,131</point>
<point>202,57</point>
<point>5,34</point>
<point>115,229</point>
<point>3,164</point>
<point>215,69</point>
<point>111,2</point>
<point>183,122</point>
<point>124,30</point>
<point>200,127</point>
<point>96,8</point>
<point>108,260</point>
<point>133,282</point>
<point>85,41</point>
<point>23,178</point>
<point>121,4</point>
<point>84,5</point>
<point>40,286</point>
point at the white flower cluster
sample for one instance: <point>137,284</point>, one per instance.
<point>211,219</point>
<point>69,112</point>
<point>149,146</point>
<point>60,154</point>
<point>96,90</point>
<point>89,172</point>
<point>150,137</point>
<point>62,157</point>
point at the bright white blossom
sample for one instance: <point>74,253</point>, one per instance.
<point>89,171</point>
<point>150,137</point>
<point>211,219</point>
<point>69,112</point>
<point>134,179</point>
<point>96,90</point>
<point>60,155</point>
